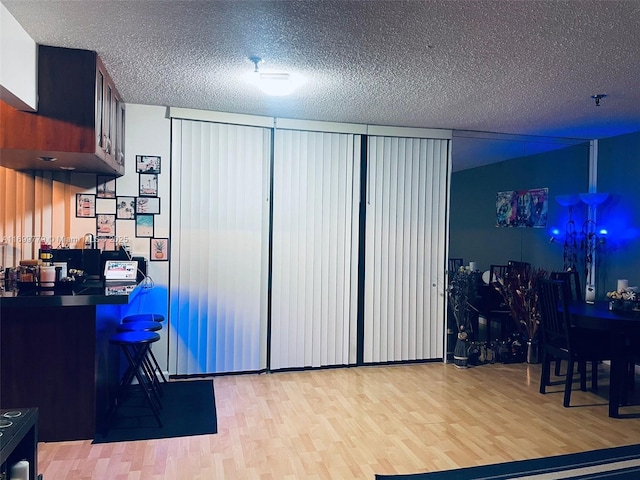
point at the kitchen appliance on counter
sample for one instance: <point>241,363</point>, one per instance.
<point>86,259</point>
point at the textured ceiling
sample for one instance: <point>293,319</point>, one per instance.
<point>519,67</point>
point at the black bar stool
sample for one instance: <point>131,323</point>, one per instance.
<point>148,326</point>
<point>135,346</point>
<point>137,317</point>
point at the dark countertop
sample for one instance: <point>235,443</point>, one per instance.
<point>87,293</point>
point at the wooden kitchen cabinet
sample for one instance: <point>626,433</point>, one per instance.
<point>79,122</point>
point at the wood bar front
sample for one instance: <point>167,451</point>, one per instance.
<point>55,355</point>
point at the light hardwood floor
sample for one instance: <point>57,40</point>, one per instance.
<point>351,423</point>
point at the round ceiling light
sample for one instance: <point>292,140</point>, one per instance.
<point>277,84</point>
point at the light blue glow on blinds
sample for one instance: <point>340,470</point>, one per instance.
<point>315,238</point>
<point>405,249</point>
<point>220,178</point>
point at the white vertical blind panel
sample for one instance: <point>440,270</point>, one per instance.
<point>404,249</point>
<point>315,239</point>
<point>34,207</point>
<point>220,227</point>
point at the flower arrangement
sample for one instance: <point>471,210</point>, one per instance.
<point>628,294</point>
<point>518,288</point>
<point>624,300</point>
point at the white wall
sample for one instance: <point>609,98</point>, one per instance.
<point>18,64</point>
<point>148,132</point>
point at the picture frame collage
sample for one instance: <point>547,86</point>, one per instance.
<point>107,207</point>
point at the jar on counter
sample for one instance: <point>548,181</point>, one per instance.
<point>47,276</point>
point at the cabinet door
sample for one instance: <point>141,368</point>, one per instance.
<point>100,85</point>
<point>119,139</point>
<point>109,103</point>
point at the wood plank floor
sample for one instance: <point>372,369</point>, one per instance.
<point>352,423</point>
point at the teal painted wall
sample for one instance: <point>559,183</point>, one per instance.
<point>474,236</point>
<point>619,175</point>
<point>473,232</point>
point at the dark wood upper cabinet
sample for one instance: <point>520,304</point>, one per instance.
<point>79,122</point>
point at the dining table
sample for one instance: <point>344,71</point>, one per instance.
<point>622,330</point>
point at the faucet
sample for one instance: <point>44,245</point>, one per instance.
<point>89,241</point>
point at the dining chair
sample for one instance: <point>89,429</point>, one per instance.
<point>571,281</point>
<point>455,264</point>
<point>518,264</point>
<point>563,341</point>
<point>572,291</point>
<point>497,311</point>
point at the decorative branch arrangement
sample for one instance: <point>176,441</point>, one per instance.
<point>518,288</point>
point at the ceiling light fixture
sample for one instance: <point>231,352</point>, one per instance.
<point>598,97</point>
<point>273,83</point>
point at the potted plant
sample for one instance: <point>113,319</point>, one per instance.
<point>462,290</point>
<point>518,288</point>
<point>159,248</point>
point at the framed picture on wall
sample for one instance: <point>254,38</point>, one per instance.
<point>148,205</point>
<point>159,249</point>
<point>106,244</point>
<point>148,185</point>
<point>85,205</point>
<point>147,164</point>
<point>106,225</point>
<point>105,205</point>
<point>126,208</point>
<point>105,186</point>
<point>144,226</point>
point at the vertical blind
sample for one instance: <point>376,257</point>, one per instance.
<point>35,206</point>
<point>316,183</point>
<point>405,249</point>
<point>219,232</point>
<point>223,282</point>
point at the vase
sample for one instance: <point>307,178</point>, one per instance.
<point>532,352</point>
<point>461,354</point>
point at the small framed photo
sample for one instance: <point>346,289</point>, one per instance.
<point>159,249</point>
<point>126,208</point>
<point>147,164</point>
<point>148,205</point>
<point>106,244</point>
<point>144,226</point>
<point>148,185</point>
<point>106,225</point>
<point>85,205</point>
<point>105,205</point>
<point>105,186</point>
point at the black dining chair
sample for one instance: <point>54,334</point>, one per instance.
<point>571,281</point>
<point>455,264</point>
<point>563,341</point>
<point>572,291</point>
<point>496,310</point>
<point>519,265</point>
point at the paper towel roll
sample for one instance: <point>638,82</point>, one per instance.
<point>623,285</point>
<point>20,471</point>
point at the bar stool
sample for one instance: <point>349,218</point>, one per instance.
<point>137,317</point>
<point>147,326</point>
<point>135,346</point>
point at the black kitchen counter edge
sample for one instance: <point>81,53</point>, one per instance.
<point>87,293</point>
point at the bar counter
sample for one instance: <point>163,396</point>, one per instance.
<point>86,293</point>
<point>55,354</point>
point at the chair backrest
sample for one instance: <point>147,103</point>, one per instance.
<point>497,271</point>
<point>571,281</point>
<point>555,320</point>
<point>518,264</point>
<point>455,264</point>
